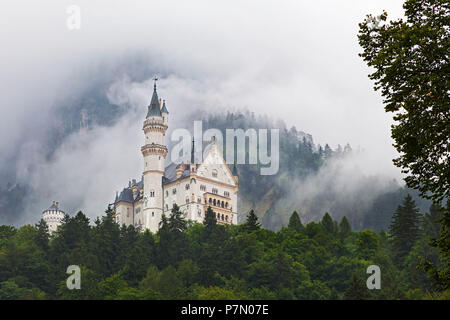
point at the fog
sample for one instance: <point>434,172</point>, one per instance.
<point>293,60</point>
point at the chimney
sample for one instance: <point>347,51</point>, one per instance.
<point>180,170</point>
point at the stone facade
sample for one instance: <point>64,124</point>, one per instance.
<point>53,216</point>
<point>192,186</point>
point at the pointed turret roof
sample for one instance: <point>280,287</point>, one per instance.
<point>153,108</point>
<point>192,151</point>
<point>234,172</point>
<point>164,109</point>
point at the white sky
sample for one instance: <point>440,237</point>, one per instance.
<point>296,60</point>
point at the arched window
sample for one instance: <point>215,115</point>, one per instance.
<point>222,217</point>
<point>226,205</point>
<point>226,218</point>
<point>222,205</point>
<point>210,201</point>
<point>187,186</point>
<point>214,173</point>
<point>214,201</point>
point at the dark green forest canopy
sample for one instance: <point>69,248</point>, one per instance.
<point>185,260</point>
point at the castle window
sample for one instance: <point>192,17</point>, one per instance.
<point>214,202</point>
<point>193,180</point>
<point>174,191</point>
<point>202,187</point>
<point>199,200</point>
<point>226,218</point>
<point>167,193</point>
<point>226,204</point>
<point>153,214</point>
<point>222,217</point>
<point>222,204</point>
<point>152,193</point>
<point>187,186</point>
<point>215,191</point>
<point>214,173</point>
<point>210,201</point>
<point>226,194</point>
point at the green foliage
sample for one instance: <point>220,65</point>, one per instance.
<point>405,228</point>
<point>411,68</point>
<point>252,223</point>
<point>295,223</point>
<point>323,260</point>
<point>356,290</point>
<point>344,228</point>
<point>440,271</point>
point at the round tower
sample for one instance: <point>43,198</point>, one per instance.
<point>154,152</point>
<point>53,216</point>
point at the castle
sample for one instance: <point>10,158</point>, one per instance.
<point>192,186</point>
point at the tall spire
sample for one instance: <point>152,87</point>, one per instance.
<point>192,152</point>
<point>153,108</point>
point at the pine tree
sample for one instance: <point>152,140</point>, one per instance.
<point>252,222</point>
<point>327,223</point>
<point>405,228</point>
<point>42,235</point>
<point>344,228</point>
<point>210,218</point>
<point>176,220</point>
<point>356,290</point>
<point>440,273</point>
<point>295,223</point>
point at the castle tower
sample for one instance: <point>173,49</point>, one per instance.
<point>53,216</point>
<point>154,152</point>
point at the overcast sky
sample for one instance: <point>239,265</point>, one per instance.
<point>296,60</point>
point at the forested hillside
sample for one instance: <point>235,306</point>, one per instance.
<point>312,180</point>
<point>319,260</point>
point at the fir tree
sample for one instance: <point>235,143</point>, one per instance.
<point>176,220</point>
<point>252,222</point>
<point>405,228</point>
<point>295,223</point>
<point>344,228</point>
<point>42,235</point>
<point>357,290</point>
<point>327,223</point>
<point>440,273</point>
